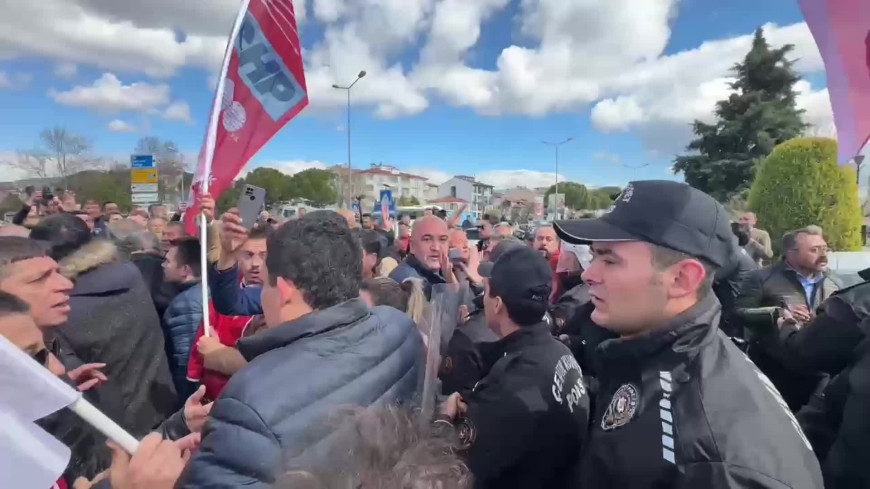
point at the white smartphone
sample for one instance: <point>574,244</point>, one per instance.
<point>251,202</point>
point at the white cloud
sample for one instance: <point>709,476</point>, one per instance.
<point>119,125</point>
<point>502,179</point>
<point>66,70</point>
<point>15,80</point>
<point>78,31</point>
<point>818,112</point>
<point>178,111</point>
<point>434,176</point>
<point>659,98</point>
<point>108,94</point>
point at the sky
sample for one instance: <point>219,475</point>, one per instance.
<point>452,86</point>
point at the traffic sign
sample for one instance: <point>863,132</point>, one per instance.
<point>143,175</point>
<point>143,187</point>
<point>146,198</point>
<point>142,161</point>
<point>386,200</point>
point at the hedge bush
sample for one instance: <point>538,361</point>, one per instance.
<point>799,184</point>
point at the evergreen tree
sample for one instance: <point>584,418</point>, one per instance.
<point>760,114</point>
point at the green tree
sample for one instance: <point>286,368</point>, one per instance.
<point>800,184</point>
<point>760,114</point>
<point>407,201</point>
<point>273,181</point>
<point>602,197</point>
<point>103,186</point>
<point>317,186</point>
<point>230,197</point>
<point>576,195</point>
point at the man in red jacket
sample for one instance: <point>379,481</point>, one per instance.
<point>216,357</point>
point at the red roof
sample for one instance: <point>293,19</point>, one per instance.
<point>448,200</point>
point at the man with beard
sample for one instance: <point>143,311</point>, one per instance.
<point>428,257</point>
<point>800,283</point>
<point>547,243</point>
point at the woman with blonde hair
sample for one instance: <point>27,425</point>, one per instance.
<point>407,296</point>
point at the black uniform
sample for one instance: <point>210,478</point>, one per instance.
<point>462,366</point>
<point>527,418</point>
<point>682,407</point>
<point>837,342</point>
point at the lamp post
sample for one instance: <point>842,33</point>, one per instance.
<point>349,171</point>
<point>859,160</point>
<point>556,193</point>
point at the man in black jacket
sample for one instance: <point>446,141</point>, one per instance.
<point>678,404</point>
<point>799,282</point>
<point>835,342</point>
<point>524,423</point>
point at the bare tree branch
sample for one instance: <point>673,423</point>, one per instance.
<point>34,163</point>
<point>68,149</point>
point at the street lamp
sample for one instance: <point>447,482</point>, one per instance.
<point>360,75</point>
<point>556,193</point>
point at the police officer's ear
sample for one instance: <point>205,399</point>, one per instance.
<point>685,278</point>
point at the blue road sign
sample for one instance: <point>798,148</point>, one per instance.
<point>355,206</point>
<point>386,197</point>
<point>142,161</point>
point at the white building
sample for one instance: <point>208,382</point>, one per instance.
<point>477,194</point>
<point>368,183</point>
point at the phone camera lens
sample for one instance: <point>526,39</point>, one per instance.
<point>253,198</point>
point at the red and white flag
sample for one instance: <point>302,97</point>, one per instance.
<point>261,87</point>
<point>841,29</point>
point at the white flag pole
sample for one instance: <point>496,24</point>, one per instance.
<point>31,391</point>
<point>104,424</point>
<point>210,141</point>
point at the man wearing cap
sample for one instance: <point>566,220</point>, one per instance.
<point>678,404</point>
<point>524,423</point>
<point>463,366</point>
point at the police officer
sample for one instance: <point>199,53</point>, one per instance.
<point>463,366</point>
<point>678,405</point>
<point>523,424</point>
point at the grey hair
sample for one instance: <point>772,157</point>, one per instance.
<point>130,238</point>
<point>503,224</point>
<point>384,447</point>
<point>789,239</point>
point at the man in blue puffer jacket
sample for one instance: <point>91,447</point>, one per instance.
<point>182,317</point>
<point>322,349</point>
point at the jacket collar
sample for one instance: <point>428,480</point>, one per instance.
<point>311,324</point>
<point>684,333</point>
<point>183,286</point>
<point>429,275</point>
<point>513,342</point>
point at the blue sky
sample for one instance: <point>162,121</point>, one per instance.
<point>624,85</point>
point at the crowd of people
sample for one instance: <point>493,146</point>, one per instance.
<point>660,345</point>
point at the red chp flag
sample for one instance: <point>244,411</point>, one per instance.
<point>262,87</point>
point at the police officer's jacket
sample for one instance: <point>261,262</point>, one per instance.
<point>528,416</point>
<point>682,407</point>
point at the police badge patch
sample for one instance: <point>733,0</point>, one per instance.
<point>621,408</point>
<point>466,433</point>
